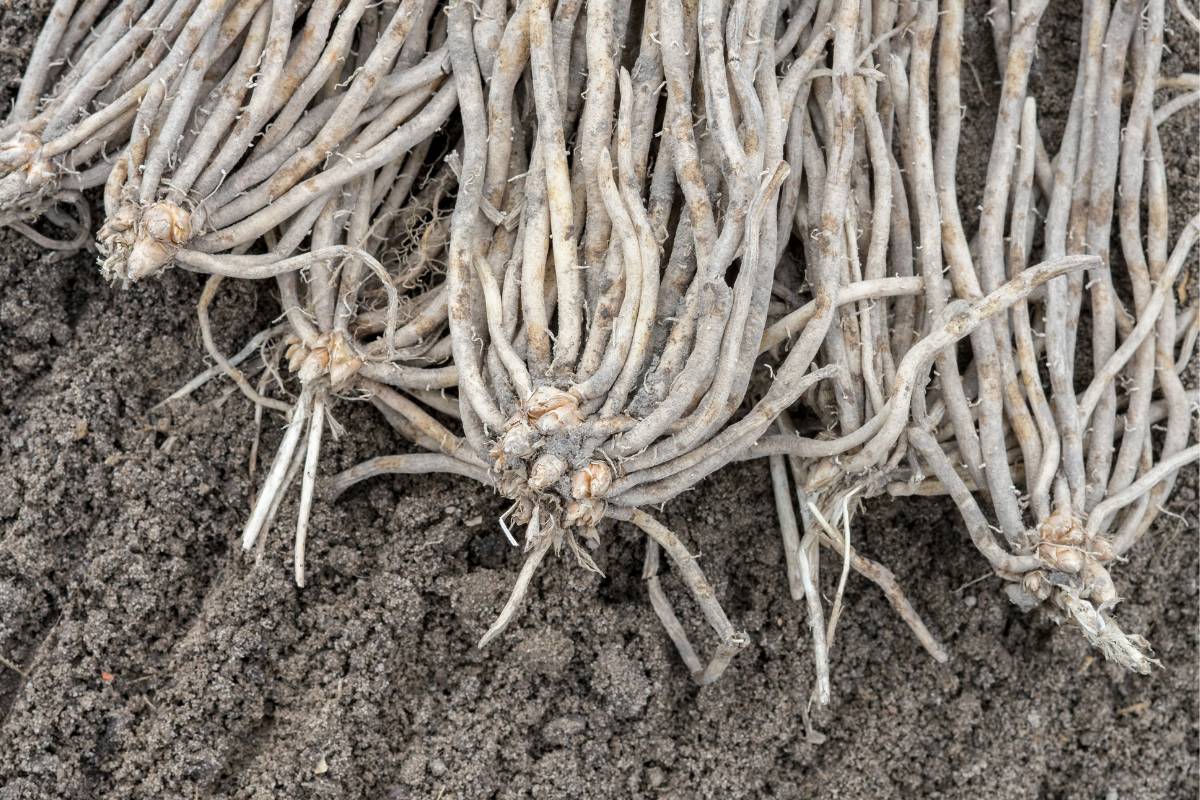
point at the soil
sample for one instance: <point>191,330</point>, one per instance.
<point>146,656</point>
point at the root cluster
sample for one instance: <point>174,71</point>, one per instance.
<point>587,253</point>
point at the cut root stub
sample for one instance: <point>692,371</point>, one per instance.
<point>139,242</point>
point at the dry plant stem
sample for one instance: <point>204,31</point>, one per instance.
<point>252,467</point>
<point>796,446</point>
<point>320,348</point>
<point>296,102</point>
<point>1174,106</point>
<point>340,123</point>
<point>405,137</point>
<point>992,266</point>
<point>614,357</point>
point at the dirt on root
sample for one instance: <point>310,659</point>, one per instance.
<point>145,656</point>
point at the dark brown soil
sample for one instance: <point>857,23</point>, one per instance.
<point>157,661</point>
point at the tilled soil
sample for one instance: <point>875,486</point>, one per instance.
<point>145,656</point>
